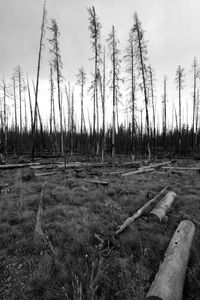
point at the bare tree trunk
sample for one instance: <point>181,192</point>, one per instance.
<point>153,107</point>
<point>20,102</point>
<point>82,93</point>
<point>30,103</point>
<point>103,106</point>
<point>72,124</point>
<point>97,133</point>
<point>5,125</point>
<point>133,99</point>
<point>60,110</point>
<point>164,112</point>
<point>194,103</point>
<point>114,96</point>
<point>25,115</point>
<point>179,96</point>
<point>144,87</point>
<point>15,105</point>
<point>51,99</point>
<point>37,79</point>
<point>197,119</point>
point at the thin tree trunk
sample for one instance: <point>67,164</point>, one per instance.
<point>37,79</point>
<point>5,123</point>
<point>154,115</point>
<point>72,124</point>
<point>15,104</point>
<point>30,104</point>
<point>194,105</point>
<point>114,96</point>
<point>164,113</point>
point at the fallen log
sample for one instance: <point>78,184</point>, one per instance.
<point>158,165</point>
<point>139,171</point>
<point>182,168</point>
<point>141,211</point>
<point>96,181</point>
<point>40,212</point>
<point>163,206</point>
<point>112,173</point>
<point>81,165</point>
<point>45,174</point>
<point>48,166</point>
<point>39,233</point>
<point>135,164</point>
<point>169,281</point>
<point>178,172</point>
<point>9,166</point>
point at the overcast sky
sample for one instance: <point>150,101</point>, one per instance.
<point>171,28</point>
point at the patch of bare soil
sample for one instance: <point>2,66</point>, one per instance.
<point>80,217</point>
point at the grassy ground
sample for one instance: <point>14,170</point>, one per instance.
<point>80,220</point>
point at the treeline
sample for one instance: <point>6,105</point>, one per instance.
<point>78,143</point>
<point>130,76</point>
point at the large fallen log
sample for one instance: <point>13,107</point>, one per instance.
<point>169,281</point>
<point>162,207</point>
<point>141,211</point>
<point>15,166</point>
<point>139,171</point>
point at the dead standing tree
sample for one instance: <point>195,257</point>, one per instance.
<point>141,52</point>
<point>81,80</point>
<point>38,78</point>
<point>179,80</point>
<point>20,83</point>
<point>30,102</point>
<point>4,141</point>
<point>95,33</point>
<point>115,61</point>
<point>131,83</point>
<point>52,119</point>
<point>152,79</point>
<point>103,95</point>
<point>195,112</point>
<point>164,113</point>
<point>57,65</point>
<point>15,109</point>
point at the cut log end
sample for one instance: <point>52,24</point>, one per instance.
<point>163,206</point>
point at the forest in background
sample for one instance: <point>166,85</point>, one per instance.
<point>23,129</point>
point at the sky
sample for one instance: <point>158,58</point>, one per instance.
<point>171,29</point>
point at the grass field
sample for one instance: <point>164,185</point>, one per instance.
<point>80,219</point>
